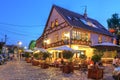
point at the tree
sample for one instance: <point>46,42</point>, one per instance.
<point>32,44</point>
<point>114,21</point>
<point>114,26</point>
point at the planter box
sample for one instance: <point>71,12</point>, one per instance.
<point>35,62</point>
<point>95,73</point>
<point>69,68</point>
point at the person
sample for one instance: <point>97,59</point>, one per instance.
<point>56,63</point>
<point>114,62</point>
<point>62,61</point>
<point>88,60</point>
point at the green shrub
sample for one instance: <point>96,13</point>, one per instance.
<point>96,58</point>
<point>67,54</point>
<point>27,54</point>
<point>36,55</point>
<point>45,55</point>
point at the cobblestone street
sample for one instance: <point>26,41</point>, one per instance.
<point>20,70</point>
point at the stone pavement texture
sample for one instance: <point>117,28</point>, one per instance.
<point>20,70</point>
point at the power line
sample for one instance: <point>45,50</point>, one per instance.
<point>2,23</point>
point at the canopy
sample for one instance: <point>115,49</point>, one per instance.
<point>40,49</point>
<point>106,45</point>
<point>63,48</point>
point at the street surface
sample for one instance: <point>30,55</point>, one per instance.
<point>20,70</point>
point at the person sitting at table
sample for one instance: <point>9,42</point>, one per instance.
<point>62,61</point>
<point>115,62</point>
<point>56,63</point>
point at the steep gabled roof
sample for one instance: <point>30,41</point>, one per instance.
<point>80,21</point>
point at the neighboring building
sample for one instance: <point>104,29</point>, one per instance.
<point>1,45</point>
<point>77,31</point>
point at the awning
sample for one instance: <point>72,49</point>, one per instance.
<point>63,48</point>
<point>40,49</point>
<point>107,46</point>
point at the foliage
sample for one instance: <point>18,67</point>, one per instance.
<point>97,55</point>
<point>32,44</point>
<point>36,55</point>
<point>67,54</point>
<point>114,21</point>
<point>27,54</point>
<point>45,55</point>
<point>99,52</point>
<point>96,58</point>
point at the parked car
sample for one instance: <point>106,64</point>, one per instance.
<point>2,60</point>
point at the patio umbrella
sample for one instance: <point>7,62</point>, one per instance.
<point>63,48</point>
<point>106,46</point>
<point>28,50</point>
<point>40,49</point>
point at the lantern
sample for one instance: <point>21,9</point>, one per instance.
<point>112,30</point>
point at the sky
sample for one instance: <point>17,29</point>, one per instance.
<point>24,20</point>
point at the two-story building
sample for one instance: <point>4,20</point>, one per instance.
<point>74,30</point>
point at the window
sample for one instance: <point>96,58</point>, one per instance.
<point>56,22</point>
<point>99,39</point>
<point>56,37</point>
<point>76,35</point>
<point>69,17</point>
<point>52,24</point>
<point>86,36</point>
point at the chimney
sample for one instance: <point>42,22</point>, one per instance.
<point>85,12</point>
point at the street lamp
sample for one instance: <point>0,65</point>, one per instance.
<point>19,43</point>
<point>19,51</point>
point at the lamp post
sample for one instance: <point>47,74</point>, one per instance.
<point>19,51</point>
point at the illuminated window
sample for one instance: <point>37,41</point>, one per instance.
<point>78,36</point>
<point>56,22</point>
<point>56,37</point>
<point>52,24</point>
<point>86,37</point>
<point>100,39</point>
<point>73,34</point>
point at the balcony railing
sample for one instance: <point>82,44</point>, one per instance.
<point>67,42</point>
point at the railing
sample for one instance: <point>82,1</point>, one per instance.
<point>67,42</point>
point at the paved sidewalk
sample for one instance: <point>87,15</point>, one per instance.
<point>20,70</point>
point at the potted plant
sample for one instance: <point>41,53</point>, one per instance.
<point>96,58</point>
<point>68,67</point>
<point>44,64</point>
<point>35,61</point>
<point>27,57</point>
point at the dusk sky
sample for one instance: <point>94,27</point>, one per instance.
<point>24,20</point>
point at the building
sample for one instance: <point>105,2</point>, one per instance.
<point>77,31</point>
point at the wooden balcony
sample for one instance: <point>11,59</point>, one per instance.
<point>67,42</point>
